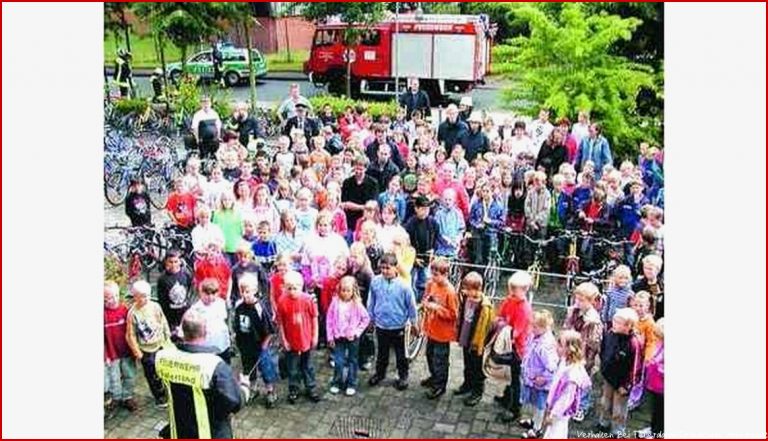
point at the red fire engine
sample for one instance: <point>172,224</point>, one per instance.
<point>448,53</point>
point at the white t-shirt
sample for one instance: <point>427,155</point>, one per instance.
<point>213,191</point>
<point>204,235</point>
<point>580,131</point>
<point>518,146</point>
<point>215,315</point>
<point>539,132</point>
<point>202,115</point>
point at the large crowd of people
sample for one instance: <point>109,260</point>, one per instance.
<point>342,235</point>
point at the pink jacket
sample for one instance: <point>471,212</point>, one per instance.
<point>349,323</point>
<point>655,371</point>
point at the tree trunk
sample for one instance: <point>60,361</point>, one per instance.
<point>287,42</point>
<point>251,70</point>
<point>161,46</point>
<point>349,76</point>
<point>124,23</point>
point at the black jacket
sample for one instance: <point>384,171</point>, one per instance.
<point>382,174</point>
<point>620,360</point>
<point>417,101</point>
<point>137,209</point>
<point>246,128</point>
<point>174,294</point>
<point>222,399</point>
<point>423,233</point>
<point>450,134</point>
<point>372,152</point>
<point>550,157</point>
<point>311,127</point>
<point>474,143</point>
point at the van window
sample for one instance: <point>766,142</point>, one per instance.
<point>370,38</point>
<point>203,57</point>
<point>326,37</point>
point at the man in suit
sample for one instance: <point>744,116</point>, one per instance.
<point>303,122</point>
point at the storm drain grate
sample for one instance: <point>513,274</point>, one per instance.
<point>351,427</point>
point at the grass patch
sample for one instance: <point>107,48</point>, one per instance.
<point>143,49</point>
<point>279,62</point>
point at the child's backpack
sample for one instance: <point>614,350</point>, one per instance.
<point>499,355</point>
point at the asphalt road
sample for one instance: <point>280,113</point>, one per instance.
<point>271,91</point>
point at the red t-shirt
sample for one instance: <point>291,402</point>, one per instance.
<point>518,314</point>
<point>115,345</point>
<point>276,288</point>
<point>182,205</point>
<point>298,316</point>
<point>330,288</point>
<point>215,267</point>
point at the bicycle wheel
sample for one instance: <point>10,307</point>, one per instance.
<point>491,278</point>
<point>414,338</point>
<point>535,271</point>
<point>158,189</point>
<point>115,187</point>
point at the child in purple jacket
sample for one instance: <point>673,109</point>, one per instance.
<point>568,385</point>
<point>538,366</point>
<point>346,320</point>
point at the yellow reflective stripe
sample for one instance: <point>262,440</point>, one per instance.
<point>171,414</point>
<point>201,414</point>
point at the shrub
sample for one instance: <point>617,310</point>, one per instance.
<point>136,106</point>
<point>338,104</point>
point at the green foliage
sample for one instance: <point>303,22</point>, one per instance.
<point>338,104</point>
<point>189,93</point>
<point>136,106</point>
<point>566,65</point>
<point>364,13</point>
<point>114,270</point>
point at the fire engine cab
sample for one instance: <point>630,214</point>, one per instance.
<point>447,53</point>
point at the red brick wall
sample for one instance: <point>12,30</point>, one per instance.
<point>270,37</point>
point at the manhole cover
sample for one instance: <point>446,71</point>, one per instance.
<point>358,427</point>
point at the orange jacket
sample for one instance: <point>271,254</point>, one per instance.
<point>440,324</point>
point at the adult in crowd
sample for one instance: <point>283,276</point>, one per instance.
<point>452,129</point>
<point>206,128</point>
<point>203,388</point>
<point>539,130</point>
<point>287,109</point>
<point>244,124</point>
<point>474,141</point>
<point>301,121</point>
<point>383,169</point>
<point>356,191</point>
<point>415,99</point>
<point>594,148</point>
<point>381,139</point>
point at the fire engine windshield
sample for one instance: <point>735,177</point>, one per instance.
<point>326,37</point>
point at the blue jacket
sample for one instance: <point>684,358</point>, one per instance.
<point>391,303</point>
<point>580,197</point>
<point>398,201</point>
<point>496,215</point>
<point>627,214</point>
<point>596,150</point>
<point>450,224</point>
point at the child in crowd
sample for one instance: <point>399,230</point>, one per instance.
<point>584,318</point>
<point>254,330</point>
<point>390,227</point>
<point>174,291</point>
<point>458,161</point>
<point>306,215</point>
<point>569,177</point>
<point>537,203</point>
<point>250,229</point>
<point>641,304</point>
<point>338,217</point>
<point>475,320</point>
<point>246,264</point>
<point>515,311</point>
<point>264,248</point>
<point>538,366</point>
<point>654,374</point>
<point>450,226</point>
<point>391,305</point>
<point>394,196</point>
<point>620,364</point>
<point>119,364</point>
<point>440,317</point>
<point>652,283</point>
<point>216,187</point>
<point>298,323</point>
<point>181,206</point>
<point>137,202</point>
<point>618,294</point>
<point>283,264</point>
<point>346,321</point>
<point>568,384</point>
<point>370,213</point>
<point>368,237</point>
<point>230,222</point>
<point>284,158</point>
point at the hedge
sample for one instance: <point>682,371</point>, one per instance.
<point>338,104</point>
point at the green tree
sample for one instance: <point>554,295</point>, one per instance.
<point>242,13</point>
<point>567,65</point>
<point>115,20</point>
<point>357,16</point>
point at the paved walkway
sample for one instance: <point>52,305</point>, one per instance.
<point>382,412</point>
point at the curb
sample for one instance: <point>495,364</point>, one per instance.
<point>275,76</point>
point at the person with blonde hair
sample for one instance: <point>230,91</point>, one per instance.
<point>475,325</point>
<point>621,361</point>
<point>584,318</point>
<point>568,385</point>
<point>538,366</point>
<point>654,374</point>
<point>346,321</point>
<point>618,293</point>
<point>119,365</point>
